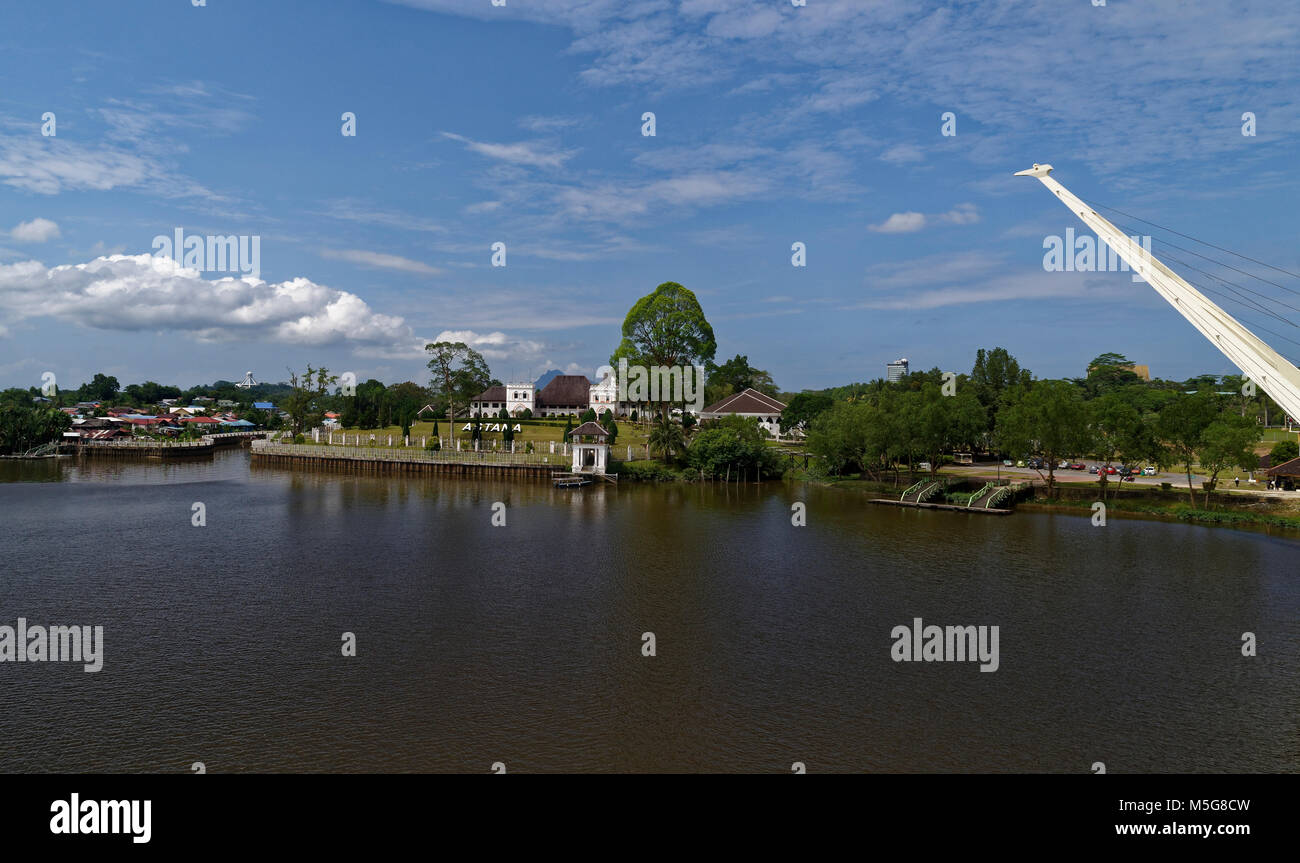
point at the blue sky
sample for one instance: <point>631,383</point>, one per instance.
<point>522,124</point>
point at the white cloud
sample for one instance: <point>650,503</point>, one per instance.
<point>534,154</point>
<point>962,214</point>
<point>38,230</point>
<point>902,154</point>
<point>910,222</point>
<point>900,223</point>
<point>497,345</point>
<point>133,293</point>
<point>379,260</point>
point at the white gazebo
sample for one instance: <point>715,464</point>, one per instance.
<point>589,456</point>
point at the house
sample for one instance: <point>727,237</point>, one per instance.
<point>203,422</point>
<point>1285,475</point>
<point>263,406</point>
<point>749,403</point>
<point>564,394</point>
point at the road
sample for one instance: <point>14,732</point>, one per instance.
<point>990,470</point>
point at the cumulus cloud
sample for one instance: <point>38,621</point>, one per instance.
<point>381,261</point>
<point>132,293</point>
<point>910,222</point>
<point>497,345</point>
<point>38,230</point>
<point>900,223</point>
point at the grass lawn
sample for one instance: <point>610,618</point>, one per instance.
<point>539,434</point>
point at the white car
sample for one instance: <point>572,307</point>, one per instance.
<point>1148,471</point>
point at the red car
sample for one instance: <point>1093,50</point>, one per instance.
<point>1078,465</point>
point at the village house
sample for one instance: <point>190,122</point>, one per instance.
<point>752,404</point>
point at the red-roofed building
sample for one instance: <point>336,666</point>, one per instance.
<point>203,421</point>
<point>749,403</point>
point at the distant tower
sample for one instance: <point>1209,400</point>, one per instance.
<point>896,371</point>
<point>248,382</point>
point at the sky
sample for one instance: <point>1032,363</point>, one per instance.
<point>522,124</point>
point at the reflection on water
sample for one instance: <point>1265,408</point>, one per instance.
<point>522,643</point>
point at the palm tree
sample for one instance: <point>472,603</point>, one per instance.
<point>667,438</point>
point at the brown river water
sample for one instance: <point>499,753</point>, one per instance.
<point>523,644</point>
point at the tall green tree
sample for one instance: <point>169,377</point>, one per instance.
<point>664,328</point>
<point>1182,424</point>
<point>1227,442</point>
<point>734,376</point>
<point>305,404</point>
<point>1047,419</point>
<point>459,374</point>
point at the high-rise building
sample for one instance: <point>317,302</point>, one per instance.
<point>896,371</point>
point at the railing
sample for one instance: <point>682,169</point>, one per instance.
<point>976,495</point>
<point>467,457</point>
<point>916,486</point>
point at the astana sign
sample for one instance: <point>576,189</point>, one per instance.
<point>1259,362</point>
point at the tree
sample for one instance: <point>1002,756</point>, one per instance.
<point>666,328</point>
<point>732,446</point>
<point>1283,450</point>
<point>734,376</point>
<point>1181,425</point>
<point>1047,418</point>
<point>459,374</point>
<point>803,409</point>
<point>304,403</point>
<point>940,423</point>
<point>24,426</point>
<point>588,416</point>
<point>102,388</point>
<point>1116,430</point>
<point>612,428</point>
<point>994,373</point>
<point>667,439</point>
<point>1227,442</point>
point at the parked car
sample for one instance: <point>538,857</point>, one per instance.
<point>1078,466</point>
<point>1094,469</point>
<point>1148,471</point>
<point>1063,464</point>
<point>925,466</point>
<point>1020,463</point>
<point>1110,470</point>
<point>1006,462</point>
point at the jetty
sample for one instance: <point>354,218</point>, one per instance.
<point>991,498</point>
<point>160,449</point>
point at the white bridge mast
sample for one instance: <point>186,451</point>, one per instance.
<point>1248,352</point>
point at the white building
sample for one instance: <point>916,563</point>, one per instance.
<point>896,371</point>
<point>604,397</point>
<point>519,398</point>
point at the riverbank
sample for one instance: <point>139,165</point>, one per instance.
<point>1226,509</point>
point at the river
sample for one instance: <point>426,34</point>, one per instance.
<point>523,644</point>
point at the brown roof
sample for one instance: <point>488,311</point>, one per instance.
<point>747,401</point>
<point>589,428</point>
<point>1286,468</point>
<point>565,391</point>
<point>491,394</point>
